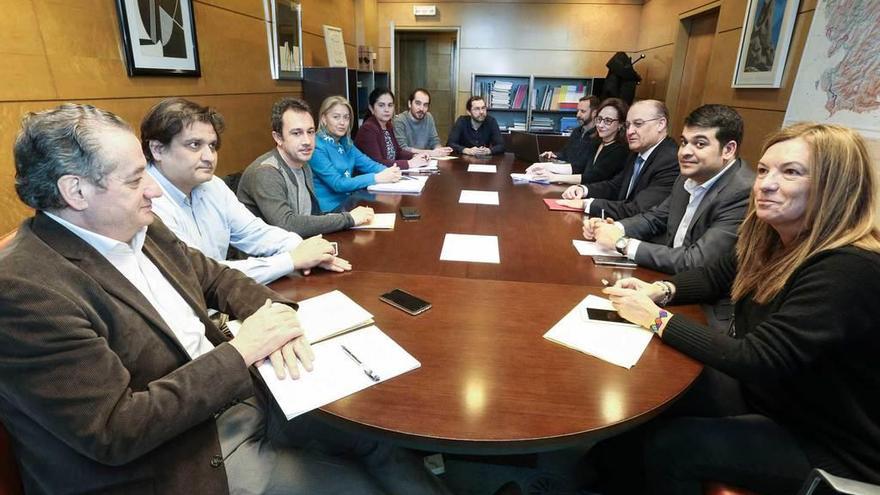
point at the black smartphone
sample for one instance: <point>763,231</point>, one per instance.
<point>614,261</point>
<point>410,213</point>
<point>405,301</point>
<point>606,315</point>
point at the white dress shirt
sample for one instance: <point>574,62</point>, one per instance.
<point>211,219</point>
<point>134,265</point>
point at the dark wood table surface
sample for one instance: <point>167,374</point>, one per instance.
<point>489,382</point>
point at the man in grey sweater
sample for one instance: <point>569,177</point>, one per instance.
<point>415,129</point>
<point>278,185</point>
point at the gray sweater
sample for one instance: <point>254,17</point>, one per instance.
<point>271,191</point>
<point>418,134</point>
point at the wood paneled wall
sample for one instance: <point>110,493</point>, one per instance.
<point>56,51</point>
<point>762,109</point>
<point>550,38</point>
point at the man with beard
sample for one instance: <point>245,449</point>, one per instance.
<point>476,133</point>
<point>415,129</point>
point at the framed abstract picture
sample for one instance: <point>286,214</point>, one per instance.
<point>159,37</point>
<point>763,45</point>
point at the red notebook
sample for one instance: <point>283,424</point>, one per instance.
<point>554,206</point>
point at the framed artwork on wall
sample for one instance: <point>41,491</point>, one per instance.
<point>763,45</point>
<point>285,38</point>
<point>159,37</point>
<point>335,46</point>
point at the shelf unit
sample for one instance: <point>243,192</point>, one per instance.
<point>320,82</point>
<point>539,111</point>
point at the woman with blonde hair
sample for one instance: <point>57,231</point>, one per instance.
<point>805,342</point>
<point>339,167</point>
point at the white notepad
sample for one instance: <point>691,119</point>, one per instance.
<point>528,178</point>
<point>485,169</point>
<point>430,167</point>
<point>325,316</point>
<point>620,344</point>
<point>444,158</point>
<point>590,248</point>
<point>478,197</point>
<point>474,248</point>
<point>406,185</point>
<point>336,374</point>
<point>380,221</point>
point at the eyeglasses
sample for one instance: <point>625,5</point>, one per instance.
<point>605,120</point>
<point>638,123</point>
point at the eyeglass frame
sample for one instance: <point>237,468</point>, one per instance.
<point>604,120</point>
<point>637,124</point>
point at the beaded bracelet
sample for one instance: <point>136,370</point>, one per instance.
<point>658,321</point>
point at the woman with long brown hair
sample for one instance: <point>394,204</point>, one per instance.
<point>804,348</point>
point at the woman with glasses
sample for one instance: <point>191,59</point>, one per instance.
<point>804,347</point>
<point>607,151</point>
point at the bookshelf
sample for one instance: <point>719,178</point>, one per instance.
<point>507,97</point>
<point>549,105</point>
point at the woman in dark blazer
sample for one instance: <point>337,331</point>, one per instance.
<point>376,136</point>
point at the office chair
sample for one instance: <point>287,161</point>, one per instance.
<point>818,478</point>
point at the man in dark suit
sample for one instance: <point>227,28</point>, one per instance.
<point>647,176</point>
<point>112,376</point>
<point>698,221</point>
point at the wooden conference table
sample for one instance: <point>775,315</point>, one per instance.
<point>489,382</point>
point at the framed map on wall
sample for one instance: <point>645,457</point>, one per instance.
<point>838,80</point>
<point>763,45</point>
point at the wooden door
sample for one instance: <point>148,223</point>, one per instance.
<point>701,35</point>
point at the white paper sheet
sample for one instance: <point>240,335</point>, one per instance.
<point>478,197</point>
<point>406,185</point>
<point>381,221</point>
<point>474,248</point>
<point>335,374</point>
<point>444,158</point>
<point>615,343</point>
<point>486,169</point>
<point>590,248</point>
<point>552,167</point>
<point>430,167</point>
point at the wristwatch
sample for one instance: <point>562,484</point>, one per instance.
<point>620,244</point>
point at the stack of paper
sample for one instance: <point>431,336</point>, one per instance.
<point>407,185</point>
<point>552,167</point>
<point>380,221</point>
<point>590,248</point>
<point>467,247</point>
<point>430,167</point>
<point>331,314</point>
<point>528,178</point>
<point>336,374</point>
<point>618,343</point>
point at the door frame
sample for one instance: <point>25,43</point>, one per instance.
<point>455,56</point>
<point>676,71</point>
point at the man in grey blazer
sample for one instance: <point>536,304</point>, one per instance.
<point>113,379</point>
<point>698,221</point>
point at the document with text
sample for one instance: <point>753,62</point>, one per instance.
<point>474,248</point>
<point>478,197</point>
<point>621,344</point>
<point>343,365</point>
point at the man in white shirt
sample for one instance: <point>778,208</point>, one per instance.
<point>113,377</point>
<point>181,139</point>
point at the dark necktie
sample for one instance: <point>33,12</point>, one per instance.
<point>636,171</point>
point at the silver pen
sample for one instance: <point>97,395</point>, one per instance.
<point>367,371</point>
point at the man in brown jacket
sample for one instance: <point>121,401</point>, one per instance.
<point>113,378</point>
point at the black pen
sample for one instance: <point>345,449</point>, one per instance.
<point>367,371</point>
